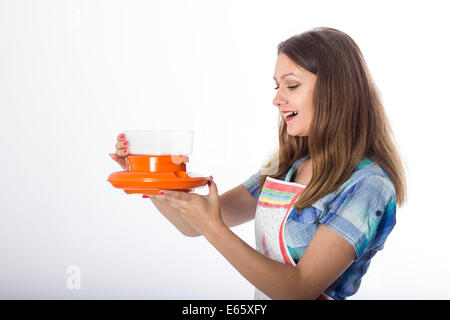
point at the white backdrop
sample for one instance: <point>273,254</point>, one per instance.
<point>74,74</point>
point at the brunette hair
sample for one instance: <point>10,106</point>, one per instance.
<point>349,121</point>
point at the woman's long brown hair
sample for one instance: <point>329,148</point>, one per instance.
<point>349,121</point>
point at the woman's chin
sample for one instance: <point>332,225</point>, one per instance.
<point>294,132</point>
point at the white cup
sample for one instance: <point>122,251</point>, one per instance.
<point>159,142</point>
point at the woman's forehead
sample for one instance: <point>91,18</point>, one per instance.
<point>286,67</point>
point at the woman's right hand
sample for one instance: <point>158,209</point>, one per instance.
<point>122,152</point>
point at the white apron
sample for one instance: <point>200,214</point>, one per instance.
<point>274,206</point>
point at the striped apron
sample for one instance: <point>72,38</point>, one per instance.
<point>275,203</point>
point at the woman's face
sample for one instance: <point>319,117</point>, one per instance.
<point>295,89</point>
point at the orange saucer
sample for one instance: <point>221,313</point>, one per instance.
<point>149,174</point>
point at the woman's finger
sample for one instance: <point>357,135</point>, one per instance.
<point>122,152</point>
<point>175,203</point>
<point>121,137</point>
<point>123,163</point>
<point>116,158</point>
<point>122,144</point>
<point>173,200</point>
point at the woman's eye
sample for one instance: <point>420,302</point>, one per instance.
<point>291,87</point>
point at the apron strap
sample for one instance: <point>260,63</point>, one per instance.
<point>295,166</point>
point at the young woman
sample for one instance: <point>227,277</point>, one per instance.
<point>328,201</point>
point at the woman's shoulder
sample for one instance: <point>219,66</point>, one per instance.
<point>369,172</point>
<point>369,180</point>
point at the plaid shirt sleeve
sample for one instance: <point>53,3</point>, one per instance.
<point>252,185</point>
<point>358,211</point>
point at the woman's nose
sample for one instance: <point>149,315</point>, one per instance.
<point>278,101</point>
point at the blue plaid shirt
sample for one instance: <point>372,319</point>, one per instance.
<point>362,211</point>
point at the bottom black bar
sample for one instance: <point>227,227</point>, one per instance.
<point>222,309</point>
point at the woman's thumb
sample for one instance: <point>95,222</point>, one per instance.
<point>212,186</point>
<point>114,157</point>
<point>121,162</point>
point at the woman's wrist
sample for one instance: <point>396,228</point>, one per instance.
<point>216,232</point>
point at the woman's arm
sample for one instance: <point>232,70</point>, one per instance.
<point>326,258</point>
<point>237,206</point>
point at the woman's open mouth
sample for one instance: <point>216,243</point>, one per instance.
<point>291,115</point>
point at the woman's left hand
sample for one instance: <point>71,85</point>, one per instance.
<point>201,212</point>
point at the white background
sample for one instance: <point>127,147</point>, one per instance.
<point>74,74</point>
